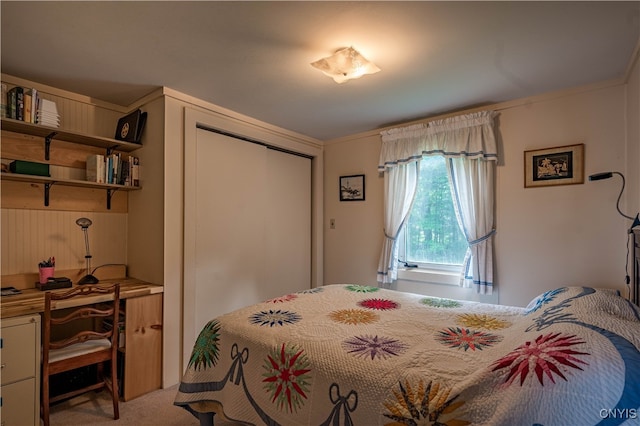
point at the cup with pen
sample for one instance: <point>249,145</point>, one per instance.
<point>47,269</point>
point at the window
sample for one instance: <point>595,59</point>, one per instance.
<point>432,238</point>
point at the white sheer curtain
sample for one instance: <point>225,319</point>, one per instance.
<point>472,182</point>
<point>400,183</point>
<point>468,141</point>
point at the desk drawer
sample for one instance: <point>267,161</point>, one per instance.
<point>19,348</point>
<point>17,402</point>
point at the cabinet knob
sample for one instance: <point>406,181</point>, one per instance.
<point>3,365</point>
<point>156,326</point>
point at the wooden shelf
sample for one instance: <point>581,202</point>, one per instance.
<point>48,182</point>
<point>49,133</point>
<point>16,177</point>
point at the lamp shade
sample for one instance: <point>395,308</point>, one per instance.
<point>600,176</point>
<point>345,64</point>
<point>84,222</point>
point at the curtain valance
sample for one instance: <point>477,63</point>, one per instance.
<point>469,136</point>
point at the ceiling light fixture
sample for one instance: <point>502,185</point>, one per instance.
<point>345,64</point>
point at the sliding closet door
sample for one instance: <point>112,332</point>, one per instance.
<point>253,224</point>
<point>288,222</point>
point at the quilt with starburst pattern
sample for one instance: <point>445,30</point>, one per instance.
<point>360,355</point>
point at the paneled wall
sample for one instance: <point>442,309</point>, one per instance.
<point>30,230</point>
<point>29,236</point>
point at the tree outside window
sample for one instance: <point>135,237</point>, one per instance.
<point>432,234</point>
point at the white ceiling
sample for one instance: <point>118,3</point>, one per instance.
<point>253,57</point>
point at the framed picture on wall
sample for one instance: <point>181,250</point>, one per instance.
<point>352,188</point>
<point>563,165</point>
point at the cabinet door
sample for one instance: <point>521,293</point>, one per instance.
<point>143,345</point>
<point>17,403</point>
<point>19,349</point>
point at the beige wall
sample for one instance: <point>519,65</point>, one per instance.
<point>351,250</point>
<point>546,237</point>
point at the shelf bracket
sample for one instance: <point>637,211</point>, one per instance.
<point>110,193</point>
<point>47,145</point>
<point>47,187</point>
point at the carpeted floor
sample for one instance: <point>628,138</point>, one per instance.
<point>95,409</point>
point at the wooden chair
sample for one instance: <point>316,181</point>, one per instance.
<point>85,347</point>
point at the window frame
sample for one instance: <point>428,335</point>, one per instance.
<point>433,273</point>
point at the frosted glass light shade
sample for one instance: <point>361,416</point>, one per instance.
<point>345,64</point>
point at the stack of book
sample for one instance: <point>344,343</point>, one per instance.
<point>114,169</point>
<point>26,105</point>
<point>47,113</point>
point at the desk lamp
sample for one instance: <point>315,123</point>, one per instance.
<point>607,175</point>
<point>85,223</point>
<point>636,220</point>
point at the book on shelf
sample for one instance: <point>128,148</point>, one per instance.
<point>109,169</point>
<point>15,103</point>
<point>27,115</point>
<point>29,168</point>
<point>35,98</point>
<point>32,106</point>
<point>3,100</point>
<point>95,168</point>
<point>113,169</point>
<point>25,104</point>
<point>130,127</point>
<point>135,170</point>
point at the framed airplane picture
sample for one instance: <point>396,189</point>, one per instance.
<point>352,188</point>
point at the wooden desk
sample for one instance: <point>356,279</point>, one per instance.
<point>142,353</point>
<point>31,301</point>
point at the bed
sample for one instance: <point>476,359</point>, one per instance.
<point>350,354</point>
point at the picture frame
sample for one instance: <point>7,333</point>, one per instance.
<point>562,165</point>
<point>352,188</point>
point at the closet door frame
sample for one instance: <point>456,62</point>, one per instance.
<point>253,130</point>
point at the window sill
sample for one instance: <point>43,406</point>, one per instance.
<point>431,276</point>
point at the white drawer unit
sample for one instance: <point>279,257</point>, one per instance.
<point>20,374</point>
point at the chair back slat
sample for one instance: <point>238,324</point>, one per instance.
<point>83,313</point>
<point>80,337</point>
<point>85,290</point>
